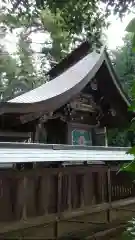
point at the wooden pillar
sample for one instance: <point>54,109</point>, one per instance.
<point>103,181</point>
<point>45,186</point>
<point>69,192</point>
<point>21,198</point>
<point>106,137</point>
<point>101,185</point>
<point>74,190</point>
<point>40,132</point>
<point>59,201</point>
<point>59,193</point>
<point>24,212</point>
<point>109,192</point>
<point>37,132</point>
<point>88,188</point>
<point>82,190</point>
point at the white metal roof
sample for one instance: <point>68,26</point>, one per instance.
<point>81,72</point>
<point>43,155</point>
<point>62,83</point>
<point>15,153</point>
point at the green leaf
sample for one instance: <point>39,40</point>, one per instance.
<point>131,151</point>
<point>131,26</point>
<point>133,43</point>
<point>132,126</point>
<point>130,167</point>
<point>131,108</point>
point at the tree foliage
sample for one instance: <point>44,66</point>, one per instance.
<point>124,64</point>
<point>24,72</point>
<point>123,59</point>
<point>18,73</point>
<point>67,22</point>
<point>75,15</point>
<point>119,7</point>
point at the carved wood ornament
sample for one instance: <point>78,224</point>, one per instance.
<point>84,103</point>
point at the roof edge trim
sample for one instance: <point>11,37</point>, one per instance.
<point>114,78</point>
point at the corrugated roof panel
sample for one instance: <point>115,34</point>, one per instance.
<point>16,155</point>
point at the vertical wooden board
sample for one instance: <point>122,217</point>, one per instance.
<point>30,197</point>
<point>113,186</point>
<point>109,185</point>
<point>5,200</point>
<point>77,190</point>
<point>102,185</point>
<point>59,194</point>
<point>72,190</point>
<point>74,194</point>
<point>80,190</point>
<point>44,197</point>
<point>9,206</point>
<point>64,192</point>
<point>88,188</point>
<point>82,200</point>
<point>53,194</point>
<point>106,188</point>
<point>38,196</point>
<point>18,196</point>
<point>69,201</point>
<point>96,193</point>
<point>69,137</point>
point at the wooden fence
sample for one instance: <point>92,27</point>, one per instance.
<point>122,186</point>
<point>54,191</point>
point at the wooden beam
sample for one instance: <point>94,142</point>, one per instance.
<point>15,134</point>
<point>109,192</point>
<point>106,137</point>
<point>107,232</point>
<point>52,218</point>
<point>43,116</point>
<point>30,117</point>
<point>22,224</point>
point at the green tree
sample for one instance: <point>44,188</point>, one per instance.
<point>124,64</point>
<point>123,60</point>
<point>67,22</point>
<point>24,74</point>
<point>7,70</point>
<point>18,73</point>
<point>130,167</point>
<point>7,65</point>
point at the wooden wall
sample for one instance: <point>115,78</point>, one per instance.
<point>45,195</point>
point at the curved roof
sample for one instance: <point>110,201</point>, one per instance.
<point>52,95</point>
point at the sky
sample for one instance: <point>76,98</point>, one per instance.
<point>115,33</point>
<point>116,30</point>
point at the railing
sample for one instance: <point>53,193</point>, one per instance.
<point>122,186</point>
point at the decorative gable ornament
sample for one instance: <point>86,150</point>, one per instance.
<point>94,85</point>
<point>113,112</point>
